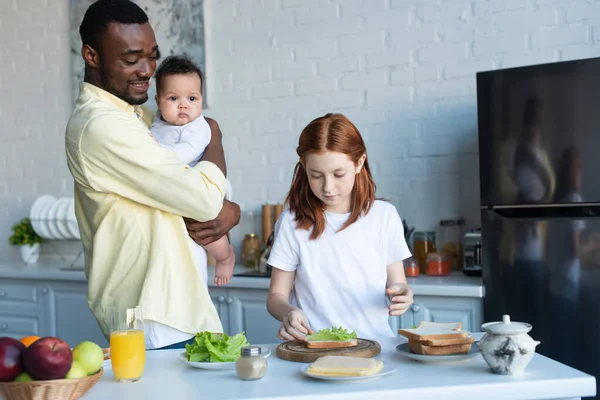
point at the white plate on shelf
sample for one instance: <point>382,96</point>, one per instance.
<point>52,221</point>
<point>387,369</point>
<point>215,365</point>
<point>405,350</point>
<point>61,217</point>
<point>36,208</point>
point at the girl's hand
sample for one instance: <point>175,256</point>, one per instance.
<point>294,326</point>
<point>401,297</point>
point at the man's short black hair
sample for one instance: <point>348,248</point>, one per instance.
<point>177,65</point>
<point>103,12</point>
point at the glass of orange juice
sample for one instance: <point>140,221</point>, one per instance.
<point>127,344</point>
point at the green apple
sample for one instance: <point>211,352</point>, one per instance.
<point>76,371</point>
<point>23,377</point>
<point>89,355</point>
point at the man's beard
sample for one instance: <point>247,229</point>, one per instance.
<point>122,94</point>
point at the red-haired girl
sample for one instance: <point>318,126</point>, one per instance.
<point>339,248</point>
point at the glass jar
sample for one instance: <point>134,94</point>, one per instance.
<point>250,251</point>
<point>450,241</point>
<point>411,268</point>
<point>251,365</point>
<point>423,244</point>
<point>438,264</point>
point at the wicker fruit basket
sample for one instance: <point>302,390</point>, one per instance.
<point>58,389</point>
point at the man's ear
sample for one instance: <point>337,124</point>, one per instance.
<point>90,56</point>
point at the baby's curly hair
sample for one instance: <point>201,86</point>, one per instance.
<point>177,65</point>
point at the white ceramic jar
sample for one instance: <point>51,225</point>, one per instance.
<point>506,346</point>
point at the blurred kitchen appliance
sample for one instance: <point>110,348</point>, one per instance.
<point>472,253</point>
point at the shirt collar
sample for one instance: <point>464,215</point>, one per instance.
<point>101,94</point>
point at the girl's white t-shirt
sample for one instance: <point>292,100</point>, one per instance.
<point>341,277</point>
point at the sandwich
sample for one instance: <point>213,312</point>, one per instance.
<point>438,338</point>
<point>342,366</point>
<point>331,338</point>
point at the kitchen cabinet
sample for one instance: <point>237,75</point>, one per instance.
<point>47,308</point>
<point>44,300</point>
<point>467,310</point>
<point>246,310</point>
<point>69,316</point>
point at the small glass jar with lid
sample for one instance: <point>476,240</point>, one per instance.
<point>438,264</point>
<point>450,240</point>
<point>411,268</point>
<point>423,244</point>
<point>251,365</point>
<point>251,251</point>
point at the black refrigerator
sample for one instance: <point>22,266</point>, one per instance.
<point>539,166</point>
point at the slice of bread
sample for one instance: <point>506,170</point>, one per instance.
<point>434,330</point>
<point>344,366</point>
<point>331,344</point>
<point>447,342</point>
<point>419,348</point>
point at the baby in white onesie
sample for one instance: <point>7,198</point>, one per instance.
<point>180,126</point>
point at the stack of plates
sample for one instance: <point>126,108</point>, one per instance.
<point>54,218</point>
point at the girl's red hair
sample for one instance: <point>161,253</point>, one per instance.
<point>335,133</point>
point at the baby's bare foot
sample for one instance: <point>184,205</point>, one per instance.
<point>224,268</point>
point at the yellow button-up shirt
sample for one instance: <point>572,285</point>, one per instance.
<point>130,196</point>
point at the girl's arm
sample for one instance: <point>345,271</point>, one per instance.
<point>294,324</point>
<point>400,294</point>
<point>278,303</point>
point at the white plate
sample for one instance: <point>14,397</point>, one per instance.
<point>52,221</point>
<point>215,365</point>
<point>385,371</point>
<point>36,208</point>
<point>61,217</point>
<point>405,350</point>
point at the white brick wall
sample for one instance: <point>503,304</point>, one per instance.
<point>402,70</point>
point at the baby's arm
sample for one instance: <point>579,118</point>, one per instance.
<point>191,144</point>
<point>223,253</point>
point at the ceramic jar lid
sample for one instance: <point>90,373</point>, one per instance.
<point>506,327</point>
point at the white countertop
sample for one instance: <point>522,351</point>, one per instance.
<point>455,285</point>
<point>165,377</point>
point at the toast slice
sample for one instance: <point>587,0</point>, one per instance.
<point>331,344</point>
<point>434,331</point>
<point>446,342</point>
<point>419,348</point>
<point>344,366</point>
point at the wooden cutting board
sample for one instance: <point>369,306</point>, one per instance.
<point>295,351</point>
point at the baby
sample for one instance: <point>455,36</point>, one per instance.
<point>180,126</point>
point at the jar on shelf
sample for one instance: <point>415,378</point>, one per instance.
<point>411,268</point>
<point>450,241</point>
<point>423,244</point>
<point>250,251</point>
<point>251,365</point>
<point>438,264</point>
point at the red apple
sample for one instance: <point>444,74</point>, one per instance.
<point>48,358</point>
<point>10,358</point>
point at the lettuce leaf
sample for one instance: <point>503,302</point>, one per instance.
<point>334,334</point>
<point>216,347</point>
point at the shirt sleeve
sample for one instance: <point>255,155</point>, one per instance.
<point>285,253</point>
<point>192,143</point>
<point>397,249</point>
<point>120,157</point>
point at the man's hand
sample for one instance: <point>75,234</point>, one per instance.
<point>205,233</point>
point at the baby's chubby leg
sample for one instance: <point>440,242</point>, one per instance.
<point>224,254</point>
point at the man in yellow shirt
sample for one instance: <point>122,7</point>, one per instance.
<point>131,193</point>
